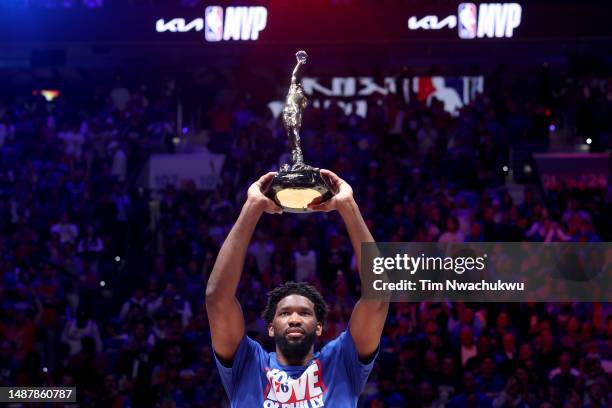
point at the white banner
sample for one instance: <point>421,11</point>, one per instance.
<point>202,168</point>
<point>352,93</point>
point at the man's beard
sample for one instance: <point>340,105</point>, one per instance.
<point>295,351</point>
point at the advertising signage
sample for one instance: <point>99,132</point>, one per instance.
<point>233,23</point>
<point>306,23</point>
<point>488,20</point>
<point>573,170</point>
<point>351,94</point>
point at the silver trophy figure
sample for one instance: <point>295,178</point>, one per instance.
<point>297,184</point>
<point>294,107</point>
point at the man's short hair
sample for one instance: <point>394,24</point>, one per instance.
<point>295,288</point>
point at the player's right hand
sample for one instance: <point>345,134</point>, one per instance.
<point>256,197</point>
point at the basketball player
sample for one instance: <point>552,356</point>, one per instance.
<point>294,375</point>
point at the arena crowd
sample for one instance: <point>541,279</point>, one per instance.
<point>102,281</point>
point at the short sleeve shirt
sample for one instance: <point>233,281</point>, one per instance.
<point>333,378</point>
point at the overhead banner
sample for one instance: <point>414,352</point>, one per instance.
<point>573,170</point>
<point>204,170</point>
<point>304,23</point>
<point>352,93</point>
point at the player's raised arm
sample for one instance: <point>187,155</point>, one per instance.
<point>224,312</point>
<point>368,318</point>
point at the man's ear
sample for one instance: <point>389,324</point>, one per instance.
<point>270,330</point>
<point>319,329</point>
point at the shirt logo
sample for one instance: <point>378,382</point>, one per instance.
<point>306,391</point>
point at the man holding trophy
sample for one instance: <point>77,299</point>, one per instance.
<point>294,375</point>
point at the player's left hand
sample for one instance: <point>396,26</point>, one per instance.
<point>343,193</point>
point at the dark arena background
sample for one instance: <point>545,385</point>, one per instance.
<point>130,131</point>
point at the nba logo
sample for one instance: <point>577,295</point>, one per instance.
<point>213,23</point>
<point>467,20</point>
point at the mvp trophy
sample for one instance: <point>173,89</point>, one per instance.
<point>297,185</point>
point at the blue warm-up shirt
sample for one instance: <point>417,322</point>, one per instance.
<point>333,378</point>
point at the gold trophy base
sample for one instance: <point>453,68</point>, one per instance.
<point>297,197</point>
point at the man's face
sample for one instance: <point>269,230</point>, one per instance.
<point>295,326</point>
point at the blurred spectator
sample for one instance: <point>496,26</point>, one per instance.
<point>305,261</point>
<point>452,233</point>
<point>119,164</point>
<point>67,231</point>
<point>79,327</point>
